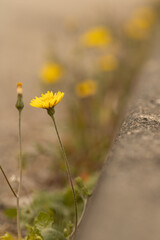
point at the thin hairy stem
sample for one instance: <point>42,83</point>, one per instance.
<point>81,217</point>
<point>14,193</point>
<point>68,173</point>
<point>18,220</point>
<point>20,157</point>
<point>84,209</point>
<point>20,179</point>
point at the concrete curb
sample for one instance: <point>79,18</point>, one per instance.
<point>126,202</point>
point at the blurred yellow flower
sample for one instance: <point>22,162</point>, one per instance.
<point>86,88</point>
<point>51,73</point>
<point>47,100</point>
<point>97,37</point>
<point>108,63</point>
<point>139,25</point>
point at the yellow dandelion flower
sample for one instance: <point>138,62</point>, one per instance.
<point>97,37</point>
<point>51,73</point>
<point>108,63</point>
<point>139,25</point>
<point>86,88</point>
<point>47,100</point>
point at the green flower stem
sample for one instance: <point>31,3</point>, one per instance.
<point>18,220</point>
<point>17,195</point>
<point>68,172</point>
<point>20,156</point>
<point>81,217</point>
<point>84,209</point>
<point>20,179</point>
<point>14,193</point>
<point>19,106</point>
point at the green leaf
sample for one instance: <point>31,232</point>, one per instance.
<point>43,220</point>
<point>52,234</point>
<point>79,182</point>
<point>11,212</point>
<point>84,192</point>
<point>68,197</point>
<point>34,234</point>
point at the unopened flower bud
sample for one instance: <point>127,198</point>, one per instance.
<point>19,103</point>
<point>19,88</point>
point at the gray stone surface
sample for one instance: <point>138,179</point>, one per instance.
<point>126,202</point>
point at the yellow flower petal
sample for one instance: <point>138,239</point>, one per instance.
<point>47,100</point>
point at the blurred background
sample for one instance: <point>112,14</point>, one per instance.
<point>90,49</point>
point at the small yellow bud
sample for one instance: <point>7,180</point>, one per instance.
<point>19,88</point>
